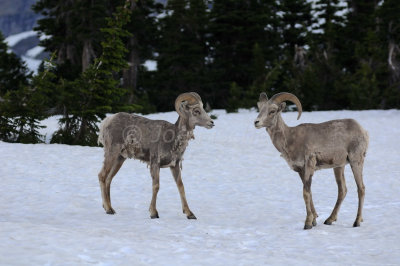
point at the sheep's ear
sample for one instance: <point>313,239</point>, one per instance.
<point>185,106</point>
<point>282,106</point>
<point>182,106</point>
<point>263,97</point>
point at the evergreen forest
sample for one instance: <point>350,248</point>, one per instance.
<point>139,55</point>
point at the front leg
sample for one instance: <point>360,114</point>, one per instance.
<point>176,173</point>
<point>155,175</point>
<point>307,200</point>
<point>306,177</point>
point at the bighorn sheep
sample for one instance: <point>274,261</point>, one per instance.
<point>310,147</point>
<point>156,142</point>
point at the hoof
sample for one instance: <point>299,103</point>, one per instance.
<point>314,223</point>
<point>191,216</point>
<point>356,224</point>
<point>327,222</point>
<point>307,227</point>
<point>110,211</point>
<point>154,216</point>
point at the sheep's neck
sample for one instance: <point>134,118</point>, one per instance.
<point>182,125</point>
<point>184,133</point>
<point>278,134</point>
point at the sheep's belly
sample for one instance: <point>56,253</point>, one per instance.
<point>317,161</point>
<point>333,159</point>
<point>168,161</point>
<point>327,166</point>
<point>171,164</point>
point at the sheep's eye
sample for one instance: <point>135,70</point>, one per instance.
<point>272,112</point>
<point>196,112</point>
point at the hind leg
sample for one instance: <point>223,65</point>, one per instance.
<point>110,168</point>
<point>357,168</point>
<point>314,222</point>
<point>102,180</point>
<point>114,170</point>
<point>342,191</point>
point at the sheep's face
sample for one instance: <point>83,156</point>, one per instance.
<point>269,112</point>
<point>197,116</point>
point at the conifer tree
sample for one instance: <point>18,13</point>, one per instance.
<point>25,108</point>
<point>13,72</point>
<point>21,104</point>
<point>322,84</point>
<point>330,18</point>
<point>389,30</point>
<point>182,52</point>
<point>141,45</point>
<point>364,56</point>
<point>96,91</point>
<point>295,24</point>
<point>73,28</point>
<point>236,27</point>
<point>360,21</point>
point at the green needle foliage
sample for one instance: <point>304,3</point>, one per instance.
<point>22,103</point>
<point>96,91</point>
<point>333,54</point>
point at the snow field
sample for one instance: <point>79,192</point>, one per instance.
<point>248,202</point>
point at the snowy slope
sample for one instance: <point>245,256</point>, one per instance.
<point>16,38</point>
<point>31,56</point>
<point>248,202</point>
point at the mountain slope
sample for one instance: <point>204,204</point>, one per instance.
<point>16,16</point>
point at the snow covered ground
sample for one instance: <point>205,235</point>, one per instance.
<point>248,202</point>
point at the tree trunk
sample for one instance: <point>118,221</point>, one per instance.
<point>130,74</point>
<point>87,54</point>
<point>81,132</point>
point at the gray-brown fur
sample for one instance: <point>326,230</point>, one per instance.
<point>155,142</point>
<point>310,147</point>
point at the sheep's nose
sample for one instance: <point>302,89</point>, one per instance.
<point>256,122</point>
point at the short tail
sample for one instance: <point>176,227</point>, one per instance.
<point>102,129</point>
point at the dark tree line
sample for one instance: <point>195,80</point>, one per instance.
<point>333,54</point>
<point>81,80</point>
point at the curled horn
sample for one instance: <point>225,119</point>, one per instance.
<point>285,96</point>
<point>190,97</point>
<point>197,96</point>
